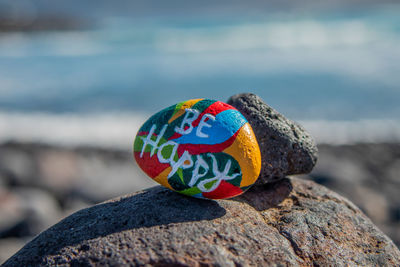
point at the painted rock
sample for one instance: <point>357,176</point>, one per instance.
<point>201,148</point>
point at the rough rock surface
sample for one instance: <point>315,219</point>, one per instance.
<point>291,222</point>
<point>367,174</point>
<point>286,147</point>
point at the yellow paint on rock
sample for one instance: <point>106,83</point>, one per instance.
<point>162,178</point>
<point>188,104</point>
<point>246,151</point>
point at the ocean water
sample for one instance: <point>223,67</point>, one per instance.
<point>330,71</point>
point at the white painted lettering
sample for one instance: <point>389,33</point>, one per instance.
<point>160,156</point>
<point>181,163</point>
<point>203,124</point>
<point>200,166</point>
<point>147,140</point>
<point>196,175</point>
<point>187,121</point>
<point>219,176</point>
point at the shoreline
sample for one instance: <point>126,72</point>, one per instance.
<point>117,129</point>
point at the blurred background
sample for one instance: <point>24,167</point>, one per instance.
<point>78,78</point>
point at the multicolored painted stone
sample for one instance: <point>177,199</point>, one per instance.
<point>201,148</point>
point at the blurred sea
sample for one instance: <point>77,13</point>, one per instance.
<point>336,72</point>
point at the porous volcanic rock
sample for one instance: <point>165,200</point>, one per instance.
<point>291,222</point>
<point>286,147</point>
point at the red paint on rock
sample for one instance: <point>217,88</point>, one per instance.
<point>224,190</point>
<point>150,165</point>
<point>213,109</point>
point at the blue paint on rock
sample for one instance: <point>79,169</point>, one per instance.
<point>226,124</point>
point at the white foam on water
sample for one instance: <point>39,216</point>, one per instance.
<point>350,132</point>
<point>117,130</point>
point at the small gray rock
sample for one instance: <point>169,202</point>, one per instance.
<point>286,147</point>
<point>292,222</point>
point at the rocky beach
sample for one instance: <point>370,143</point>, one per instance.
<point>315,185</point>
<point>41,184</point>
<point>34,197</point>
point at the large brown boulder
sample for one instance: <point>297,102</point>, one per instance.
<point>291,222</point>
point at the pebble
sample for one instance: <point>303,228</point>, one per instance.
<point>24,212</point>
<point>201,148</point>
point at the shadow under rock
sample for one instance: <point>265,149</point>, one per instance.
<point>266,196</point>
<point>154,206</point>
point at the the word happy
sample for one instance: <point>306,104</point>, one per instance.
<point>199,165</point>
